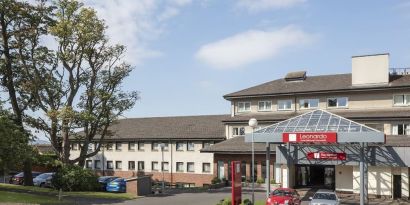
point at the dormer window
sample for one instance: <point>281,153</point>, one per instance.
<point>337,102</point>
<point>264,105</point>
<point>244,106</point>
<point>308,103</point>
<point>401,100</point>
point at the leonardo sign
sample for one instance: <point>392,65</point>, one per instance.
<point>310,137</point>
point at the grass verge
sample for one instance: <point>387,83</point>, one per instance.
<point>14,197</point>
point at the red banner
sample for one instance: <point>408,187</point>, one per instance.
<point>310,137</point>
<point>326,155</point>
<point>236,182</point>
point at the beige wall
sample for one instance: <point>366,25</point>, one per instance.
<point>344,178</point>
<point>148,156</point>
<point>372,69</point>
<point>379,180</point>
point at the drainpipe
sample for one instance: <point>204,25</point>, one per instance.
<point>171,160</point>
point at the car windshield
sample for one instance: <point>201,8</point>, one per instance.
<point>118,180</point>
<point>43,176</point>
<point>325,196</point>
<point>281,192</point>
<point>21,174</point>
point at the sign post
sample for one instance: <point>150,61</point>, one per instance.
<point>236,182</point>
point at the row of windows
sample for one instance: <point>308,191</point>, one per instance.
<point>155,146</point>
<point>336,102</point>
<point>190,166</point>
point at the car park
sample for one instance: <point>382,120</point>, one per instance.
<point>104,180</point>
<point>117,185</point>
<point>19,178</point>
<point>282,196</point>
<point>324,197</point>
<point>43,180</point>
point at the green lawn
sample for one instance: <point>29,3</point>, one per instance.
<point>14,197</point>
<point>105,195</point>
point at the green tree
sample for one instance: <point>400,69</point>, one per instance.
<point>13,143</point>
<point>79,88</point>
<point>21,26</point>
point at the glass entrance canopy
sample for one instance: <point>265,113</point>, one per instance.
<point>319,121</point>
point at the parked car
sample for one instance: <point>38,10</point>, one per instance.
<point>282,196</point>
<point>117,185</point>
<point>324,197</point>
<point>43,180</point>
<point>105,180</point>
<point>19,178</point>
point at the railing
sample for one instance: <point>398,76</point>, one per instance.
<point>399,71</point>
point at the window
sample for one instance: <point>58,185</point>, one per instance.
<point>140,146</point>
<point>154,166</point>
<point>284,104</point>
<point>90,147</point>
<point>89,164</point>
<point>131,165</point>
<point>308,103</point>
<point>206,167</point>
<point>97,164</point>
<point>180,167</point>
<point>74,146</point>
<point>154,146</point>
<point>118,146</point>
<point>238,131</point>
<point>131,146</point>
<point>165,146</point>
<point>109,146</point>
<point>401,129</point>
<point>118,164</point>
<point>265,105</point>
<point>207,144</point>
<point>191,146</point>
<point>179,146</point>
<point>110,165</point>
<point>401,100</point>
<point>244,106</point>
<point>337,102</point>
<point>141,166</point>
<point>190,167</point>
<point>165,166</point>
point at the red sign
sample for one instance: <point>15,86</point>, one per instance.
<point>236,183</point>
<point>326,155</point>
<point>310,137</point>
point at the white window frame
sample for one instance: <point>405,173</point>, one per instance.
<point>119,162</point>
<point>177,168</point>
<point>395,129</point>
<point>118,146</point>
<point>284,109</point>
<point>112,164</point>
<point>309,105</point>
<point>155,146</point>
<point>244,106</point>
<point>239,131</point>
<point>89,164</point>
<point>203,166</point>
<point>163,165</point>
<point>188,148</point>
<point>405,103</point>
<point>264,106</point>
<point>187,167</point>
<point>138,165</point>
<point>140,145</point>
<point>95,164</point>
<point>152,166</point>
<point>179,143</point>
<point>337,102</point>
<point>131,146</point>
<point>129,167</point>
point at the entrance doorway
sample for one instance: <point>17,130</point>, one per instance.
<point>396,186</point>
<point>318,176</point>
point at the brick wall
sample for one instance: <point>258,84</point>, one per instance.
<point>197,179</point>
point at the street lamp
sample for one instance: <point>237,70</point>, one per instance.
<point>162,146</point>
<point>253,123</point>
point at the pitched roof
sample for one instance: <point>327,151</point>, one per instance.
<point>183,127</point>
<point>314,84</point>
<point>376,114</point>
<point>237,145</point>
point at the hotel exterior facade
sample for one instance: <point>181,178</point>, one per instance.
<point>373,95</point>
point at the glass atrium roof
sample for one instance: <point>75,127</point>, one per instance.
<point>316,121</point>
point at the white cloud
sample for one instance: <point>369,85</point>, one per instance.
<point>261,5</point>
<point>251,46</point>
<point>137,23</point>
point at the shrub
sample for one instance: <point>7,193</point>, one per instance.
<point>272,181</point>
<point>75,178</point>
<point>227,201</point>
<point>216,180</point>
<point>260,181</point>
<point>246,202</point>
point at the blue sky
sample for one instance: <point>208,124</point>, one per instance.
<point>187,54</point>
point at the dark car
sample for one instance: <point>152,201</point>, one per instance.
<point>282,196</point>
<point>105,180</point>
<point>19,178</point>
<point>117,185</point>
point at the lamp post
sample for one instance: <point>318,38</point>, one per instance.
<point>253,123</point>
<point>162,145</point>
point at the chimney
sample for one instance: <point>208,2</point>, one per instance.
<point>370,70</point>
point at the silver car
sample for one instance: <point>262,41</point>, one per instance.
<point>43,180</point>
<point>324,197</point>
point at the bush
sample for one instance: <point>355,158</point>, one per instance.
<point>260,181</point>
<point>226,201</point>
<point>247,202</point>
<point>75,178</point>
<point>216,180</point>
<point>272,181</point>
